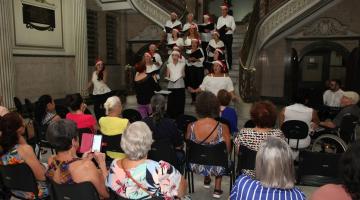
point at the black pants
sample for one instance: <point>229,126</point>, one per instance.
<point>193,78</point>
<point>99,101</point>
<point>204,46</point>
<point>176,102</point>
<point>228,40</point>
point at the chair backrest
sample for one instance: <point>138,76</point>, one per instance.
<point>132,115</point>
<point>318,164</point>
<point>183,121</point>
<point>19,177</point>
<point>249,124</point>
<point>246,159</point>
<point>295,129</point>
<point>84,190</point>
<point>215,155</point>
<point>163,150</point>
<point>29,108</point>
<point>18,105</point>
<point>347,127</point>
<point>111,143</point>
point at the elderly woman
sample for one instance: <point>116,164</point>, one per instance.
<point>65,167</point>
<point>263,114</point>
<point>275,175</point>
<point>136,177</point>
<point>207,131</point>
<point>216,81</point>
<point>112,124</point>
<point>16,151</point>
<point>77,114</point>
<point>349,174</point>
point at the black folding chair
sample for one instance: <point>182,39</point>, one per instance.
<point>347,128</point>
<point>214,155</point>
<point>132,115</point>
<point>111,143</point>
<point>19,177</point>
<point>183,121</point>
<point>318,168</point>
<point>40,135</point>
<point>77,191</point>
<point>29,108</point>
<point>19,106</point>
<point>295,129</point>
<point>246,159</point>
<point>164,150</point>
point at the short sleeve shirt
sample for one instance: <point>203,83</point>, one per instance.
<point>214,84</point>
<point>352,109</point>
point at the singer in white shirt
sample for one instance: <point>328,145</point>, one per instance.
<point>229,21</point>
<point>333,96</point>
<point>172,23</point>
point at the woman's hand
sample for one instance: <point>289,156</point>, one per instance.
<point>99,158</point>
<point>88,155</point>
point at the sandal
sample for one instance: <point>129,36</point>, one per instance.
<point>207,181</point>
<point>217,194</point>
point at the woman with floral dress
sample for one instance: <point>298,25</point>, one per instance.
<point>136,177</point>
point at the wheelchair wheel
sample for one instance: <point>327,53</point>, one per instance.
<point>329,143</point>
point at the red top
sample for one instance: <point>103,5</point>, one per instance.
<point>331,192</point>
<point>82,120</point>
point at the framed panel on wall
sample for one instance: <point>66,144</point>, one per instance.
<point>38,23</point>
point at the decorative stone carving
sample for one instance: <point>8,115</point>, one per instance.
<point>151,11</point>
<point>326,27</point>
<point>150,33</point>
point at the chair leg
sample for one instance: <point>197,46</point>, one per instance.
<point>192,182</point>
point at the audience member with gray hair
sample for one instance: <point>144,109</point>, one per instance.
<point>136,177</point>
<point>113,124</point>
<point>65,167</point>
<point>275,175</point>
<point>164,128</point>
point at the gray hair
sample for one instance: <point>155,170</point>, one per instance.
<point>110,103</point>
<point>158,103</point>
<point>274,166</point>
<point>136,140</point>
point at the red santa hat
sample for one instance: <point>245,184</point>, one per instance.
<point>98,61</point>
<point>224,6</point>
<point>219,50</point>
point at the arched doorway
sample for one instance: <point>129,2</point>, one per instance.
<point>319,62</point>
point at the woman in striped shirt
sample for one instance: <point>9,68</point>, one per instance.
<point>275,176</point>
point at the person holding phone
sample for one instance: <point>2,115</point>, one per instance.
<point>65,167</point>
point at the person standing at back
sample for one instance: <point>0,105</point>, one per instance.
<point>227,38</point>
<point>333,95</point>
<point>172,23</point>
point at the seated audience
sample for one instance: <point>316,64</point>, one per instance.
<point>333,95</point>
<point>350,176</point>
<point>208,131</point>
<point>136,177</point>
<point>227,112</point>
<point>349,105</point>
<point>45,112</point>
<point>15,150</point>
<point>65,167</point>
<point>263,114</point>
<point>112,124</point>
<point>163,128</point>
<point>78,107</point>
<point>275,175</point>
<point>299,111</point>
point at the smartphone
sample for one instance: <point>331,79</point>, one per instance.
<point>96,146</point>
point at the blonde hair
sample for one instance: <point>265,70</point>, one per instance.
<point>274,166</point>
<point>110,103</point>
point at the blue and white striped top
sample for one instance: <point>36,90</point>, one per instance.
<point>246,188</point>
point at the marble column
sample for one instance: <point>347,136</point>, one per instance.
<point>81,50</point>
<point>7,71</point>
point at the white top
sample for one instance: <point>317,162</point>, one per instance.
<point>151,68</point>
<point>176,74</point>
<point>332,99</point>
<point>179,42</point>
<point>187,26</point>
<point>158,58</point>
<point>229,21</point>
<point>214,84</point>
<point>197,63</point>
<point>298,112</point>
<point>215,45</point>
<point>99,86</point>
<point>187,42</point>
<point>170,24</point>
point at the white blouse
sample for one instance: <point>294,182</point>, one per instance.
<point>214,84</point>
<point>99,86</point>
